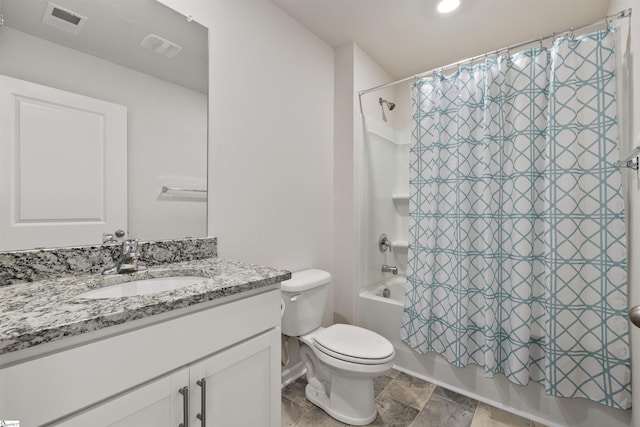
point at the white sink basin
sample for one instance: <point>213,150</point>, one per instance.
<point>143,287</point>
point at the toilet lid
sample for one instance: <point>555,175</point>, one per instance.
<point>354,344</point>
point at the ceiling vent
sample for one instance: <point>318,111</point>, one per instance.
<point>160,45</point>
<point>63,19</point>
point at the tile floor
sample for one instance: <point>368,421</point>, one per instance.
<point>403,400</point>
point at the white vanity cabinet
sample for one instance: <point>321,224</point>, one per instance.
<point>134,378</point>
<point>238,384</point>
<point>234,386</point>
<point>158,404</point>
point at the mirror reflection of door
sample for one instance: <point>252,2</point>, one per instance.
<point>63,166</point>
<point>165,91</point>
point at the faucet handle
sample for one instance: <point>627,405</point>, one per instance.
<point>108,238</point>
<point>130,246</point>
<point>384,243</point>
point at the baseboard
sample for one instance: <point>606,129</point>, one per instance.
<point>292,373</point>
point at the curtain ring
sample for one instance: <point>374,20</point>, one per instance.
<point>572,35</point>
<point>541,43</point>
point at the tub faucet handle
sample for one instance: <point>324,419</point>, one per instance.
<point>389,269</point>
<point>384,243</point>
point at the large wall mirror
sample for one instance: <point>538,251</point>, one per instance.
<point>140,58</point>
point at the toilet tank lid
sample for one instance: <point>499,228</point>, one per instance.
<point>306,279</point>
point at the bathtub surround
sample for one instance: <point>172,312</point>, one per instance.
<point>518,248</point>
<point>380,314</point>
<point>52,263</point>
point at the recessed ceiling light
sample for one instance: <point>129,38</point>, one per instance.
<point>446,6</point>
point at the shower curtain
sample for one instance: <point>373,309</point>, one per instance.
<point>517,254</point>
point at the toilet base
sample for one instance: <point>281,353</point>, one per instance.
<point>351,400</point>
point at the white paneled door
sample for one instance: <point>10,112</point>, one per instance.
<point>63,166</point>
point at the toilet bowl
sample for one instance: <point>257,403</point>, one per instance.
<point>341,360</point>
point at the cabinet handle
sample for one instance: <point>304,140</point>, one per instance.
<point>184,391</point>
<point>203,401</point>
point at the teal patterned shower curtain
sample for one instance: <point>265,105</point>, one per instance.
<point>517,254</point>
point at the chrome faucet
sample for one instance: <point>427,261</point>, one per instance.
<point>127,262</point>
<point>389,269</point>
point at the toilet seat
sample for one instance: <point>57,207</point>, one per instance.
<point>354,344</point>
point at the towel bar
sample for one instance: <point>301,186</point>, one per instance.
<point>166,189</point>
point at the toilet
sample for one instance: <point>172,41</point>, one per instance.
<point>341,360</point>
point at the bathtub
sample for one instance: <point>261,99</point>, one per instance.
<point>380,314</point>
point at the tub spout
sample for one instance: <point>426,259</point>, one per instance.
<point>389,269</point>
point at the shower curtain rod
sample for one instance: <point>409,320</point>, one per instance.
<point>623,14</point>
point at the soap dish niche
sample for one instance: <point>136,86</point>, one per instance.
<point>400,198</point>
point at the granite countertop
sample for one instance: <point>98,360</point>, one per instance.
<point>49,310</point>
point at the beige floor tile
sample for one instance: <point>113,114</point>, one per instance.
<point>290,412</point>
<point>393,413</point>
<point>409,390</point>
<point>318,418</point>
<point>392,373</point>
<point>380,384</point>
<point>403,401</point>
<point>456,398</point>
<point>295,393</point>
<point>488,416</point>
<point>443,413</point>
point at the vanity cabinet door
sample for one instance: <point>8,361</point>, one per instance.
<point>157,404</point>
<point>242,384</point>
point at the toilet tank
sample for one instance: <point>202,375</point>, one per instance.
<point>305,297</point>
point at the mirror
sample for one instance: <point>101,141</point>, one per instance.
<point>139,54</point>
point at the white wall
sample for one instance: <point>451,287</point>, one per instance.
<point>167,128</point>
<point>271,137</point>
<point>345,218</point>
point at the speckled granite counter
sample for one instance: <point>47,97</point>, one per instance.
<point>49,310</point>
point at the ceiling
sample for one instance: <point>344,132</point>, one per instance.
<point>113,31</point>
<point>407,37</point>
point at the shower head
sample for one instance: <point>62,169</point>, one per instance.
<point>390,105</point>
